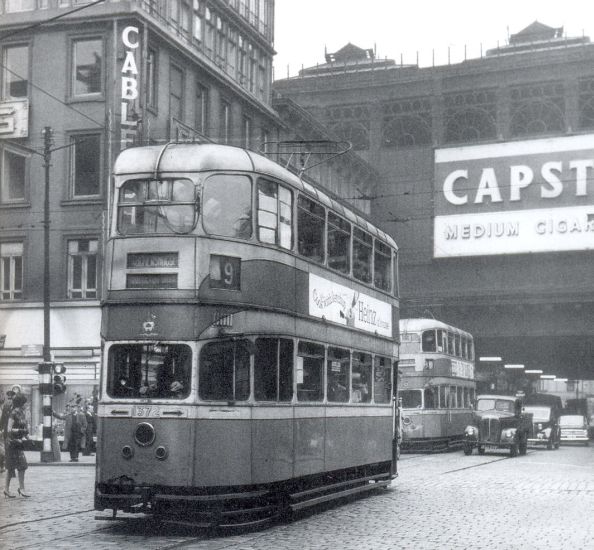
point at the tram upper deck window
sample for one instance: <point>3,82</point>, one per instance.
<point>275,214</point>
<point>411,399</point>
<point>273,369</point>
<point>311,228</point>
<point>451,344</point>
<point>442,341</point>
<point>382,266</point>
<point>382,380</point>
<point>157,206</point>
<point>362,255</point>
<point>458,344</point>
<point>339,243</point>
<point>225,217</point>
<point>149,371</point>
<point>428,340</point>
<point>224,371</point>
<point>310,372</point>
<point>361,378</point>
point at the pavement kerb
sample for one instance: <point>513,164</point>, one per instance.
<point>34,459</point>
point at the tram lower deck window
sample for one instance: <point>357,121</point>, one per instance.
<point>273,369</point>
<point>224,371</point>
<point>157,371</point>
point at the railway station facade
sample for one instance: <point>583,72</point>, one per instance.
<point>120,74</point>
<point>486,184</point>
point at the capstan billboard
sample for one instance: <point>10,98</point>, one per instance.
<point>515,197</point>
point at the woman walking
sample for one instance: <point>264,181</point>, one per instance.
<point>17,434</point>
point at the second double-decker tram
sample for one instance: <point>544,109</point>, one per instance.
<point>437,385</point>
<point>250,336</point>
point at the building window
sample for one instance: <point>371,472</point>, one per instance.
<point>198,27</point>
<point>201,122</point>
<point>14,176</point>
<point>11,6</point>
<point>225,121</point>
<point>151,78</point>
<point>85,164</point>
<point>82,268</point>
<point>537,109</point>
<point>11,271</point>
<point>246,132</point>
<point>470,116</point>
<point>176,92</point>
<point>87,67</point>
<point>15,77</point>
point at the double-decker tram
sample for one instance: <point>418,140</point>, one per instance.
<point>437,385</point>
<point>250,336</point>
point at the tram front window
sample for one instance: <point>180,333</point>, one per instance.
<point>411,399</point>
<point>157,206</point>
<point>151,371</point>
<point>221,216</point>
<point>224,371</point>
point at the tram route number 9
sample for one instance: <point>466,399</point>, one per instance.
<point>225,272</point>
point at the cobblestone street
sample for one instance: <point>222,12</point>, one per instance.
<point>439,501</point>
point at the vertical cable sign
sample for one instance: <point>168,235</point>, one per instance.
<point>129,94</point>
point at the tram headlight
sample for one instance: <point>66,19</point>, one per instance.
<point>127,452</point>
<point>144,434</point>
<point>471,431</point>
<point>161,453</point>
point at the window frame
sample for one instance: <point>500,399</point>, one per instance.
<point>201,108</point>
<point>12,290</point>
<point>73,137</point>
<point>5,71</point>
<point>181,98</point>
<point>72,68</point>
<point>84,255</point>
<point>4,182</point>
<point>152,72</point>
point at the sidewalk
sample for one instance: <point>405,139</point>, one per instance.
<point>34,459</point>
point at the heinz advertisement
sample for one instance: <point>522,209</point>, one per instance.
<point>515,197</point>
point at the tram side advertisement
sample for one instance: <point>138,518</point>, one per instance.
<point>349,307</point>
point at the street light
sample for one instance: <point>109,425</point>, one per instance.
<point>490,359</point>
<point>547,377</point>
<point>513,366</point>
<point>533,371</point>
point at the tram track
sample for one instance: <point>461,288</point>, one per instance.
<point>470,467</point>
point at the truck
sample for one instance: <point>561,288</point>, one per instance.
<point>498,422</point>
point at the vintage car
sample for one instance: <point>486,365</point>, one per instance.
<point>574,428</point>
<point>545,410</point>
<point>498,422</point>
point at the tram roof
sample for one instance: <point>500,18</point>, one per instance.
<point>194,157</point>
<point>415,325</point>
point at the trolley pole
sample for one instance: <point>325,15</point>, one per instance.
<point>46,368</point>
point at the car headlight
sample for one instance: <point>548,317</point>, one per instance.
<point>471,430</point>
<point>510,433</point>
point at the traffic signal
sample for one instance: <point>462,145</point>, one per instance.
<point>59,380</point>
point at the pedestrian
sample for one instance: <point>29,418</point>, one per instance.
<point>2,446</point>
<point>4,416</point>
<point>75,426</point>
<point>88,412</point>
<point>17,435</point>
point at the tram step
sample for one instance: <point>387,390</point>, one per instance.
<point>322,488</point>
<point>337,494</point>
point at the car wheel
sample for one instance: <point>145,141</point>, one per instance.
<point>513,450</point>
<point>467,449</point>
<point>481,450</point>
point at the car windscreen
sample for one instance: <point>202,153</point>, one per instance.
<point>539,414</point>
<point>575,421</point>
<point>489,404</point>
